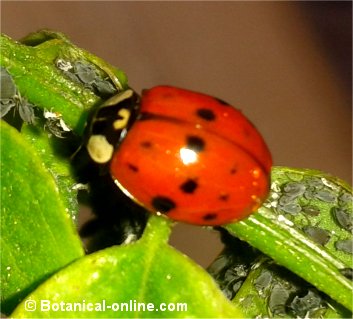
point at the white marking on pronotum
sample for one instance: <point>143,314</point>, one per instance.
<point>99,149</point>
<point>121,123</point>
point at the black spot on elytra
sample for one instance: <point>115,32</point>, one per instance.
<point>133,167</point>
<point>206,114</point>
<point>221,101</point>
<point>223,197</point>
<point>189,186</point>
<point>146,144</point>
<point>163,204</point>
<point>195,143</point>
<point>209,216</point>
<point>233,170</point>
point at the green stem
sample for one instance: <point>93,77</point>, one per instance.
<point>290,248</point>
<point>158,229</point>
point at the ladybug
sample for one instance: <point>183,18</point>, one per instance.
<point>186,155</point>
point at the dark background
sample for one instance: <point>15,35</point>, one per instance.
<point>287,65</point>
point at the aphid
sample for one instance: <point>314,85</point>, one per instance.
<point>319,235</point>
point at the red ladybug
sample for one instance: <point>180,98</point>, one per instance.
<point>189,156</point>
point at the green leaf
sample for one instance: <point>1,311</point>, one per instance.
<point>303,200</point>
<point>37,235</point>
<point>38,78</point>
<point>117,76</point>
<point>54,154</point>
<point>147,271</point>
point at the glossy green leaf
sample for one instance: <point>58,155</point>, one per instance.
<point>54,154</point>
<point>303,200</point>
<point>37,234</point>
<point>117,76</point>
<point>35,71</point>
<point>147,273</point>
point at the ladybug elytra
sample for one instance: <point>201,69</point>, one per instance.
<point>187,155</point>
